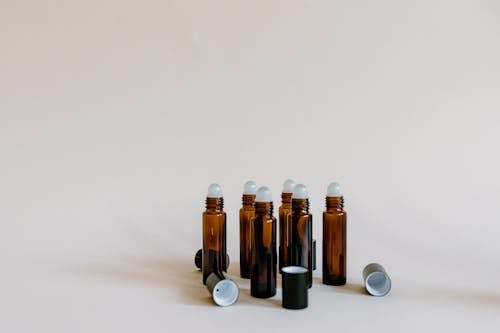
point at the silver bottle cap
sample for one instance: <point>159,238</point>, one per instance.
<point>376,280</point>
<point>224,291</point>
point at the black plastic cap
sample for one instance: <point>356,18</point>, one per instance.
<point>198,259</point>
<point>295,287</point>
<point>314,255</point>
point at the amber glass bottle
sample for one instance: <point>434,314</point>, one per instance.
<point>285,212</point>
<point>214,233</point>
<point>301,231</point>
<point>264,257</point>
<point>334,237</point>
<point>247,213</point>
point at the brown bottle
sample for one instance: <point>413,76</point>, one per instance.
<point>247,213</point>
<point>285,214</point>
<point>263,275</point>
<point>334,237</point>
<point>301,231</point>
<point>214,233</point>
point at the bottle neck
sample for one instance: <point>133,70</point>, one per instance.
<point>334,203</point>
<point>216,204</point>
<point>248,200</point>
<point>286,199</point>
<point>263,208</point>
<point>300,205</point>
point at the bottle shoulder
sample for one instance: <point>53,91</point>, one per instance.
<point>213,212</point>
<point>246,214</point>
<point>264,218</point>
<point>302,218</point>
<point>284,210</point>
<point>301,211</point>
<point>332,213</point>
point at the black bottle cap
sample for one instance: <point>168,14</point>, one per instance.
<point>295,287</point>
<point>198,257</point>
<point>314,254</point>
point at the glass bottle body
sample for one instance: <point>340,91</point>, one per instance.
<point>247,213</point>
<point>334,242</point>
<point>285,215</point>
<point>214,238</point>
<point>264,256</point>
<point>301,237</point>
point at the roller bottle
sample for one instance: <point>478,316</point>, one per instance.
<point>264,257</point>
<point>334,237</point>
<point>301,231</point>
<point>247,213</point>
<point>214,233</point>
<point>285,212</point>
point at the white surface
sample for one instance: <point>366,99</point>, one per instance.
<point>214,191</point>
<point>116,115</point>
<point>264,194</point>
<point>288,186</point>
<point>249,187</point>
<point>334,190</point>
<point>300,192</point>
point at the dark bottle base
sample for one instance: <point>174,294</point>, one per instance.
<point>334,281</point>
<point>265,294</point>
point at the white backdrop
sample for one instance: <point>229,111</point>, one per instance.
<point>115,116</point>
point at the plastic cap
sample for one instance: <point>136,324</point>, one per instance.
<point>378,284</point>
<point>198,259</point>
<point>300,192</point>
<point>295,287</point>
<point>377,281</point>
<point>334,190</point>
<point>264,194</point>
<point>250,187</point>
<point>214,191</point>
<point>225,292</point>
<point>288,186</point>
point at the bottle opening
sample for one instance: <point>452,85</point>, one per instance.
<point>225,292</point>
<point>294,270</point>
<point>378,284</point>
